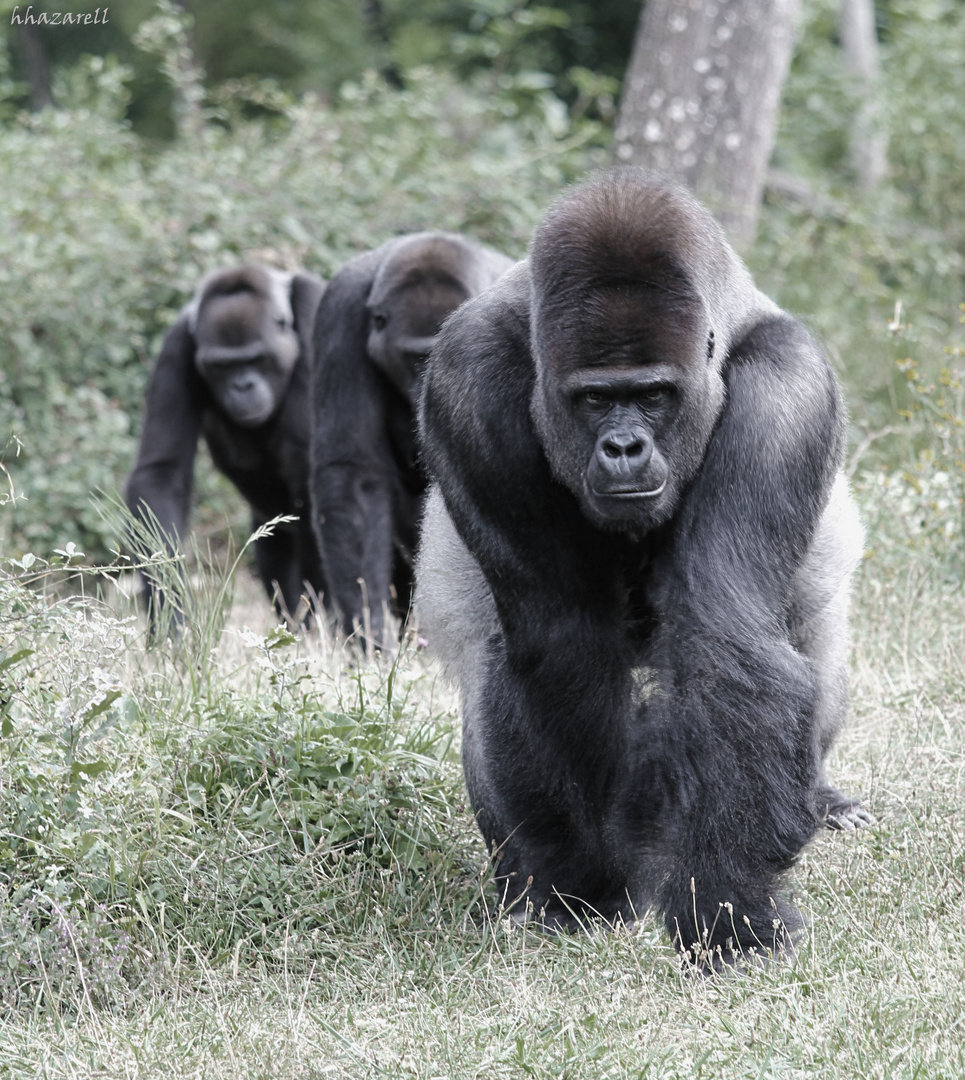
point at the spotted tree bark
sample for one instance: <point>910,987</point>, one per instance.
<point>701,99</point>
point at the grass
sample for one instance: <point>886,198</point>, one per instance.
<point>269,870</point>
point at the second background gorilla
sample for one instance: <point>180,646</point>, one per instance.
<point>373,331</point>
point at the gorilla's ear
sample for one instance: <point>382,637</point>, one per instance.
<point>173,408</point>
<point>306,293</point>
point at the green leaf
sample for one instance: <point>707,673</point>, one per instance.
<point>90,769</point>
<point>9,661</point>
<point>95,710</point>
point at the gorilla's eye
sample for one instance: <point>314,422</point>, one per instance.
<point>378,321</point>
<point>654,393</point>
<point>594,397</point>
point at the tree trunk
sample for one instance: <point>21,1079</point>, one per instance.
<point>701,99</point>
<point>167,35</point>
<point>869,143</point>
<point>34,58</point>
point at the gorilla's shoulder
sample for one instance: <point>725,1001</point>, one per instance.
<point>479,381</point>
<point>490,327</point>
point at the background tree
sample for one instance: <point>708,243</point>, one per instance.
<point>36,67</point>
<point>869,143</point>
<point>577,47</point>
<point>701,99</point>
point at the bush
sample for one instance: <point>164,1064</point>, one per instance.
<point>106,241</point>
<point>211,796</point>
<point>844,257</point>
<point>914,499</point>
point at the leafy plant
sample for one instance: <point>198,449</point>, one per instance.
<point>917,506</point>
<point>211,793</point>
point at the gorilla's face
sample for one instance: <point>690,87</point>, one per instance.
<point>246,352</point>
<point>403,322</point>
<point>626,398</point>
<point>625,415</point>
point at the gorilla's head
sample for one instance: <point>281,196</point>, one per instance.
<point>627,346</point>
<point>246,344</point>
<point>420,283</point>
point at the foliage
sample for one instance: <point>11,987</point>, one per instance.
<point>304,46</point>
<point>917,508</point>
<point>926,82</point>
<point>101,248</point>
<point>147,809</point>
<point>577,51</point>
<point>843,258</point>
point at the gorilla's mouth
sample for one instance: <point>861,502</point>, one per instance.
<point>631,493</point>
<point>252,417</point>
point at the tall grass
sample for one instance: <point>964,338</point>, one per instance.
<point>271,871</point>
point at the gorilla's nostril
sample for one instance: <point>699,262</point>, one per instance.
<point>619,446</point>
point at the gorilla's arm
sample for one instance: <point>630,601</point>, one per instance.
<point>306,294</point>
<point>731,726</point>
<point>353,471</point>
<point>162,475</point>
<point>557,676</point>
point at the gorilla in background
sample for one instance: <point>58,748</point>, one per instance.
<point>374,329</point>
<point>235,368</point>
<point>635,560</point>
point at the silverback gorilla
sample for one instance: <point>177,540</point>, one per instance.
<point>375,327</point>
<point>636,560</point>
<point>235,368</point>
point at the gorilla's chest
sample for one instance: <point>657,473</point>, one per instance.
<point>271,471</point>
<point>627,582</point>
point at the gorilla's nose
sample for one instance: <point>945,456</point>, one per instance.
<point>627,445</point>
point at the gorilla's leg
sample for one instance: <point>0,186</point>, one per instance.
<point>279,567</point>
<point>357,545</point>
<point>818,627</point>
<point>549,842</point>
<point>453,603</point>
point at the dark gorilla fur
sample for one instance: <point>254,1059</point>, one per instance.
<point>636,560</point>
<point>375,327</point>
<point>235,368</point>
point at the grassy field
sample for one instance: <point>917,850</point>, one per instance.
<point>241,856</point>
<point>251,859</point>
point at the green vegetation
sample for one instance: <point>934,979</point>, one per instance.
<point>102,246</point>
<point>238,855</point>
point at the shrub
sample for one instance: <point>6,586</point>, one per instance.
<point>106,241</point>
<point>212,795</point>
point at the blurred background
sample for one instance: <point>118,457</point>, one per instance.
<point>165,139</point>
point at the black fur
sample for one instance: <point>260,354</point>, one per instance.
<point>235,368</point>
<point>635,560</point>
<point>375,325</point>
